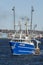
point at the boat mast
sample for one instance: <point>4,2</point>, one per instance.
<point>26,24</point>
<point>20,26</point>
<point>26,28</point>
<point>32,10</point>
<point>14,16</point>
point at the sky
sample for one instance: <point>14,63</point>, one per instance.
<point>22,10</point>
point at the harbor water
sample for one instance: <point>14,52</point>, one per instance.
<point>6,57</point>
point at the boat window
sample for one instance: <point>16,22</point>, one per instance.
<point>20,40</point>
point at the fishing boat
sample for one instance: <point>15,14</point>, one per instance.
<point>21,44</point>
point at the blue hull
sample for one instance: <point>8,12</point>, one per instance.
<point>18,48</point>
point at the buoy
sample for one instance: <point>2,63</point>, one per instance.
<point>37,51</point>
